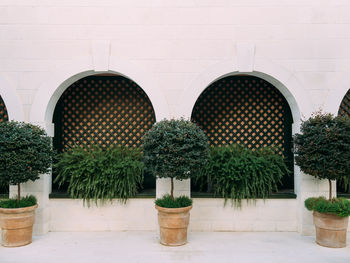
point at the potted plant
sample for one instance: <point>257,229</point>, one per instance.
<point>175,149</point>
<point>323,151</point>
<point>25,153</point>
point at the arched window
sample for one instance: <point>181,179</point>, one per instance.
<point>4,189</point>
<point>246,110</point>
<point>3,111</point>
<point>344,110</point>
<point>103,110</point>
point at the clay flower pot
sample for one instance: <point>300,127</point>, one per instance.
<point>17,225</point>
<point>173,224</point>
<point>330,230</point>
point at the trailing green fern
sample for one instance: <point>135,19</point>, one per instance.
<point>94,173</point>
<point>237,173</point>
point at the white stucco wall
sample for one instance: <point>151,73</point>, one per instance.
<point>73,215</point>
<point>174,49</point>
<point>173,41</point>
<point>208,214</point>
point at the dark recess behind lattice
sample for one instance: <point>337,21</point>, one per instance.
<point>344,110</point>
<point>250,111</point>
<point>103,110</point>
<point>4,189</point>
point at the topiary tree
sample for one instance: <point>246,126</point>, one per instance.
<point>323,148</point>
<point>25,152</point>
<point>175,149</point>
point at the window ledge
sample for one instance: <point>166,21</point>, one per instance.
<point>4,196</point>
<point>347,196</point>
<point>152,194</point>
<point>279,195</point>
<point>65,195</point>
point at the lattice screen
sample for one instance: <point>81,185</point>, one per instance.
<point>102,110</point>
<point>344,108</point>
<point>3,117</point>
<point>246,110</point>
<point>3,111</point>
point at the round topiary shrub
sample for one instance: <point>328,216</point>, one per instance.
<point>175,149</point>
<point>25,153</point>
<point>323,148</point>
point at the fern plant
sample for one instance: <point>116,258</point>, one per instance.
<point>94,173</point>
<point>238,173</point>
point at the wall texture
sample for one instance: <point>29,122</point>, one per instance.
<point>174,49</point>
<point>206,215</point>
<point>174,40</point>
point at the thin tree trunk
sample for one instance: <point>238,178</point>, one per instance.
<point>172,188</point>
<point>330,189</point>
<point>19,192</point>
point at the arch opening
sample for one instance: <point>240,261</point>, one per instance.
<point>250,111</point>
<point>344,110</point>
<point>3,111</point>
<point>4,189</point>
<point>104,110</point>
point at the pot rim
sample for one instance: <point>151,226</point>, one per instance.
<point>173,210</point>
<point>318,214</point>
<point>18,210</point>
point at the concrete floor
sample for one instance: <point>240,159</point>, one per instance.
<point>136,246</point>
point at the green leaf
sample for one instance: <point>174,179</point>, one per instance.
<point>238,173</point>
<point>101,174</point>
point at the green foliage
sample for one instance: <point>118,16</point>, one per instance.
<point>168,202</point>
<point>25,152</point>
<point>14,203</point>
<point>4,189</point>
<point>344,182</point>
<point>237,172</point>
<point>337,206</point>
<point>323,147</point>
<point>93,173</point>
<point>175,149</point>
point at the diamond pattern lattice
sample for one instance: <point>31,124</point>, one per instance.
<point>102,110</point>
<point>3,111</point>
<point>344,108</point>
<point>4,189</point>
<point>246,110</point>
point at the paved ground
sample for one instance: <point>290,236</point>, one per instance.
<point>217,247</point>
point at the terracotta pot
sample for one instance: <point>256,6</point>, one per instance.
<point>173,224</point>
<point>330,230</point>
<point>17,226</point>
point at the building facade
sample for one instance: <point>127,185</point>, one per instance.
<point>246,71</point>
